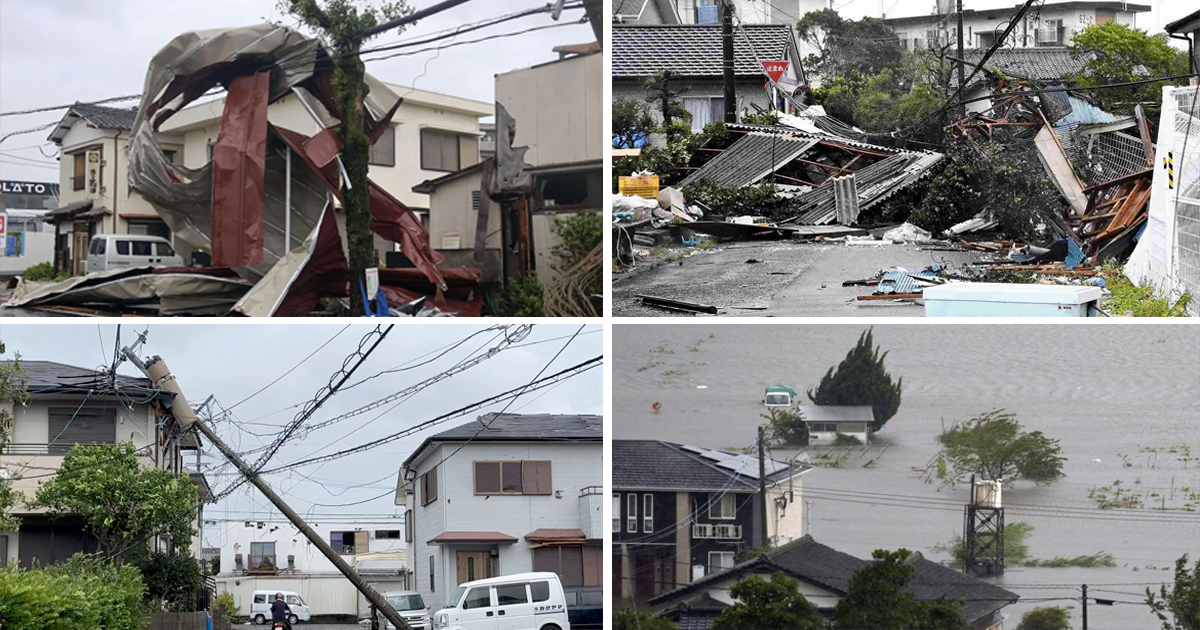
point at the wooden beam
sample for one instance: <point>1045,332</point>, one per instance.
<point>1144,131</point>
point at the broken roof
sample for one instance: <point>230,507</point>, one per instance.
<point>97,116</point>
<point>831,569</point>
<point>751,158</point>
<point>695,50</point>
<point>658,465</point>
<point>1050,63</point>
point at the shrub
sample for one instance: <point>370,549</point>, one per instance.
<point>844,439</point>
<point>225,609</point>
<point>171,581</point>
<point>43,272</point>
<point>82,593</point>
<point>522,298</point>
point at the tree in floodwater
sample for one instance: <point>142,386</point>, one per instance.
<point>861,379</point>
<point>992,446</point>
<point>786,427</point>
<point>1046,618</point>
<point>1182,602</point>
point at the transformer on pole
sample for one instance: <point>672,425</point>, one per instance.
<point>983,531</point>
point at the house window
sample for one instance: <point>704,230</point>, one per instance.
<point>170,155</point>
<point>616,512</point>
<point>262,557</point>
<point>342,543</point>
<point>576,565</point>
<point>432,589</point>
<point>408,529</point>
<point>517,477</point>
<point>383,152</point>
<point>706,12</point>
<point>429,487</point>
<point>471,569</point>
<point>823,427</point>
<point>704,111</point>
<point>387,534</point>
<point>631,513</point>
<point>719,561</point>
<point>648,513</point>
<point>71,425</point>
<point>80,171</point>
<point>721,507</point>
<point>439,150</point>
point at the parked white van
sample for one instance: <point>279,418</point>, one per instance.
<point>121,251</point>
<point>260,606</point>
<point>410,606</point>
<point>521,601</point>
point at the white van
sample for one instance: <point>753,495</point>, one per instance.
<point>122,251</point>
<point>522,601</point>
<point>410,606</point>
<point>260,606</point>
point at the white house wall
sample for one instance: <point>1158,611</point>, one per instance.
<point>787,523</point>
<point>821,598</point>
<point>324,594</point>
<point>558,108</point>
<point>574,466</point>
<point>236,538</point>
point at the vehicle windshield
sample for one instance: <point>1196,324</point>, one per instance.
<point>778,399</point>
<point>406,602</point>
<point>456,597</point>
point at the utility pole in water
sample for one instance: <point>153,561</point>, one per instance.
<point>726,9</point>
<point>762,483</point>
<point>1085,607</point>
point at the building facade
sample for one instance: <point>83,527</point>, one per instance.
<point>28,238</point>
<point>655,12</point>
<point>1054,25</point>
<point>67,406</point>
<point>505,494</point>
<point>682,512</point>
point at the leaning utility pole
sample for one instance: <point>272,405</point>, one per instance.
<point>726,9</point>
<point>962,108</point>
<point>161,377</point>
<point>762,484</point>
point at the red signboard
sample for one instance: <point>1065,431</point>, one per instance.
<point>775,69</point>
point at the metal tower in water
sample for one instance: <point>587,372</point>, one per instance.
<point>983,531</point>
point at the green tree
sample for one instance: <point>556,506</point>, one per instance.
<point>993,447</point>
<point>1046,618</point>
<point>1116,53</point>
<point>861,379</point>
<point>82,593</point>
<point>13,380</point>
<point>786,426</point>
<point>629,619</point>
<point>848,48</point>
<point>875,598</point>
<point>171,581</point>
<point>664,92</point>
<point>632,123</point>
<point>769,604</point>
<point>121,503</point>
<point>340,23</point>
<point>1178,608</point>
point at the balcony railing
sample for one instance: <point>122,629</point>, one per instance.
<point>36,449</point>
<point>262,564</point>
<point>716,532</point>
<point>591,490</point>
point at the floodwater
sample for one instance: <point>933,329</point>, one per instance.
<point>1112,395</point>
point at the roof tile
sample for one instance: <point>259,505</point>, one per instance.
<point>694,50</point>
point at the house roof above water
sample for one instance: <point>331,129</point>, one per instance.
<point>666,466</point>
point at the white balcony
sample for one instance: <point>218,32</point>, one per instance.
<point>716,532</point>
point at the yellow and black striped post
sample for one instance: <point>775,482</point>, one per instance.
<point>1169,165</point>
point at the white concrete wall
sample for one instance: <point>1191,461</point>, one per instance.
<point>558,108</point>
<point>1073,19</point>
<point>236,538</point>
<point>787,523</point>
<point>324,594</point>
<point>39,248</point>
<point>574,466</point>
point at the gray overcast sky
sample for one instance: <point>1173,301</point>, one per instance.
<point>54,52</point>
<point>234,361</point>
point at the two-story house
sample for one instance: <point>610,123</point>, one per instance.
<point>505,494</point>
<point>681,512</point>
<point>70,405</point>
<point>266,555</point>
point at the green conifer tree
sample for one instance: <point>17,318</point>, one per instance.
<point>861,379</point>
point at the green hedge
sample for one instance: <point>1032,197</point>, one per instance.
<point>79,594</point>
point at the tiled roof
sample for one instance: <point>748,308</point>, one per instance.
<point>628,7</point>
<point>831,569</point>
<point>1042,64</point>
<point>49,376</point>
<point>106,117</point>
<point>657,465</point>
<point>694,51</point>
<point>514,427</point>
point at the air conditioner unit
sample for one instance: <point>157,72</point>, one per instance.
<point>237,562</point>
<point>702,531</point>
<point>291,563</point>
<point>728,531</point>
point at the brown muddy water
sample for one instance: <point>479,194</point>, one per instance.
<point>1120,398</point>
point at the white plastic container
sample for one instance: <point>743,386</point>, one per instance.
<point>985,299</point>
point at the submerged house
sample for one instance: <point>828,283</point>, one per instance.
<point>827,422</point>
<point>823,573</point>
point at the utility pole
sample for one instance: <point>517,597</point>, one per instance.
<point>1085,607</point>
<point>962,108</point>
<point>156,370</point>
<point>762,483</point>
<point>726,8</point>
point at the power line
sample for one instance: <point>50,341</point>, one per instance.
<point>294,367</point>
<point>127,97</point>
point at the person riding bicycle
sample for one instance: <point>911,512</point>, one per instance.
<point>280,611</point>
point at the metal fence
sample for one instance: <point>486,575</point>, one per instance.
<point>1183,161</point>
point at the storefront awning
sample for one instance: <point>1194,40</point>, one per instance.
<point>76,211</point>
<point>452,538</point>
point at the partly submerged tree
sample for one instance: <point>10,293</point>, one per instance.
<point>1046,618</point>
<point>1116,53</point>
<point>123,504</point>
<point>786,426</point>
<point>1178,608</point>
<point>993,447</point>
<point>13,380</point>
<point>340,23</point>
<point>861,379</point>
<point>769,604</point>
<point>875,598</point>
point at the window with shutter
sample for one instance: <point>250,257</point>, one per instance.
<point>70,426</point>
<point>513,477</point>
<point>510,478</point>
<point>383,152</point>
<point>439,150</point>
<point>80,171</point>
<point>535,476</point>
<point>429,487</point>
<point>487,477</point>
